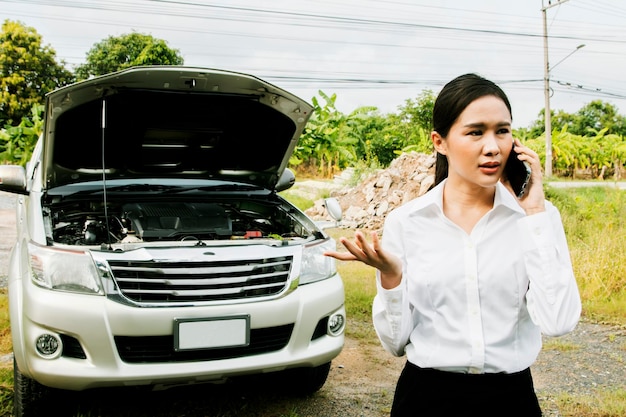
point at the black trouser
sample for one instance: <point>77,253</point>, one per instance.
<point>434,393</point>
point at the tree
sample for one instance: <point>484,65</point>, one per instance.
<point>17,142</point>
<point>419,112</point>
<point>125,51</point>
<point>416,122</point>
<point>326,144</point>
<point>28,70</point>
<point>363,138</point>
<point>598,115</point>
<point>588,120</point>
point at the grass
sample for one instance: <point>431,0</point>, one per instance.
<point>6,347</point>
<point>604,403</point>
<point>305,197</point>
<point>559,345</point>
<point>595,223</point>
<point>594,220</point>
<point>5,325</point>
<point>300,201</point>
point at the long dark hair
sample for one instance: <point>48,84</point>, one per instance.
<point>454,97</point>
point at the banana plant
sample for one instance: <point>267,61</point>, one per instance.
<point>324,143</point>
<point>17,142</point>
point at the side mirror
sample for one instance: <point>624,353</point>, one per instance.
<point>334,208</point>
<point>13,179</point>
<point>286,180</point>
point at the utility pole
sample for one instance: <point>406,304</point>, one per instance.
<point>546,86</point>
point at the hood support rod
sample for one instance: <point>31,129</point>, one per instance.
<point>104,176</point>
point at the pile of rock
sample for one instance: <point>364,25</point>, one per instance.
<point>366,205</point>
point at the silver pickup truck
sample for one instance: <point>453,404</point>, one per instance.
<point>153,247</point>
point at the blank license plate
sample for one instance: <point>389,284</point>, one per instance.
<point>211,333</point>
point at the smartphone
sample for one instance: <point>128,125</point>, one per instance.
<point>518,173</point>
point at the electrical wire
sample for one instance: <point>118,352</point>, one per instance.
<point>408,35</point>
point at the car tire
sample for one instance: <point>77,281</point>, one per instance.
<point>306,381</point>
<point>28,394</point>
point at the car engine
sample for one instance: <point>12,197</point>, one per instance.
<point>90,223</point>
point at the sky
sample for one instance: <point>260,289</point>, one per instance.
<point>373,53</point>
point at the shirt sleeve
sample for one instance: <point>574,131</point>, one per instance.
<point>553,299</point>
<point>391,312</point>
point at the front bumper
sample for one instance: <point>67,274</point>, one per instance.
<point>95,322</point>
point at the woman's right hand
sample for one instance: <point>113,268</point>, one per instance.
<point>389,265</point>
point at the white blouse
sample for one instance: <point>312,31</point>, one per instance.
<point>475,303</point>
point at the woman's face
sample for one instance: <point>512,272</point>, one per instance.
<point>478,143</point>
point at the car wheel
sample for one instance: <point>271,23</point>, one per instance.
<point>306,381</point>
<point>28,394</point>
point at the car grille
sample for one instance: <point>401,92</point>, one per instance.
<point>170,282</point>
<point>160,349</point>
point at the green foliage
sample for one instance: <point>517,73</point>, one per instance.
<point>6,391</point>
<point>324,143</point>
<point>333,141</point>
<point>592,117</point>
<point>594,219</point>
<point>598,154</point>
<point>376,142</point>
<point>598,115</point>
<point>302,202</point>
<point>17,142</point>
<point>414,123</point>
<point>5,324</point>
<point>28,70</point>
<point>421,143</point>
<point>119,52</point>
<point>418,114</point>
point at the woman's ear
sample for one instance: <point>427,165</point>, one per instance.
<point>438,142</point>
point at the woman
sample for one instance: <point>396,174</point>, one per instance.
<point>469,275</point>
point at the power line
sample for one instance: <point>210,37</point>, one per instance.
<point>317,20</point>
<point>370,26</point>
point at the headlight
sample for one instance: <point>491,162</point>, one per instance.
<point>64,270</point>
<point>316,266</point>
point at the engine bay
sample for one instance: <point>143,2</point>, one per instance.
<point>156,220</point>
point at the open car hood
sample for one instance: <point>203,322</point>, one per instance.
<point>171,122</point>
